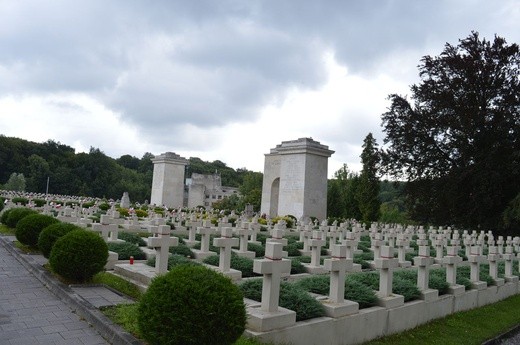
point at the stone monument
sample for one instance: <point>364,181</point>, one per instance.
<point>168,180</point>
<point>295,179</point>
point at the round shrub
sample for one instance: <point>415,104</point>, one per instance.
<point>125,250</point>
<point>79,255</point>
<point>1,203</point>
<point>39,202</point>
<point>29,227</point>
<point>16,214</point>
<point>50,235</point>
<point>5,214</point>
<point>192,305</point>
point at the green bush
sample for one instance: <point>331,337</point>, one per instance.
<point>5,214</point>
<point>131,238</point>
<point>174,261</point>
<point>29,227</point>
<point>257,248</point>
<point>88,204</point>
<point>141,213</point>
<point>1,204</point>
<point>292,249</point>
<point>16,214</point>
<point>39,202</point>
<point>20,200</point>
<point>297,267</point>
<point>104,206</point>
<point>79,255</point>
<point>123,212</point>
<point>126,249</point>
<point>357,292</point>
<point>183,250</point>
<point>406,288</point>
<point>192,305</point>
<point>245,265</point>
<point>50,235</point>
<point>291,297</point>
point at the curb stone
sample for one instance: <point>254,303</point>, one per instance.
<point>112,332</point>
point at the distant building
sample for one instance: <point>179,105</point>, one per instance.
<point>170,189</point>
<point>204,190</point>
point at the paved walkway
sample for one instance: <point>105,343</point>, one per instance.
<point>30,313</point>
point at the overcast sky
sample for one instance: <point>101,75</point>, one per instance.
<point>221,80</point>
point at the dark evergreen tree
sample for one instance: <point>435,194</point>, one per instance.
<point>368,192</point>
<point>457,141</point>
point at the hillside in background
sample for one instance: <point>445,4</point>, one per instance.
<point>93,173</point>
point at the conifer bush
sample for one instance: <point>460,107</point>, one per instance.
<point>291,297</point>
<point>28,228</point>
<point>173,261</point>
<point>257,248</point>
<point>297,267</point>
<point>79,255</point>
<point>132,238</point>
<point>192,305</point>
<point>16,214</point>
<point>125,250</point>
<point>182,249</point>
<point>50,235</point>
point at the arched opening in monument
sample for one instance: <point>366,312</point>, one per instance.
<point>275,191</point>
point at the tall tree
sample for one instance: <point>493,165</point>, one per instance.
<point>368,192</point>
<point>458,140</point>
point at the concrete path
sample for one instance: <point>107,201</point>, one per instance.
<point>37,309</point>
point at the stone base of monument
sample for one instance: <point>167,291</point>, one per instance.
<point>344,308</point>
<point>191,243</point>
<point>405,264</point>
<point>456,289</point>
<point>314,269</point>
<point>499,281</point>
<point>356,268</point>
<point>263,321</point>
<point>148,252</point>
<point>305,252</point>
<point>200,255</point>
<point>234,275</point>
<point>132,228</point>
<point>247,254</point>
<point>140,274</point>
<point>512,279</point>
<point>429,295</point>
<point>478,285</point>
<point>392,301</point>
<point>117,240</point>
<point>111,261</point>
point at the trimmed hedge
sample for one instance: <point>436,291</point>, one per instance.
<point>183,250</point>
<point>192,305</point>
<point>291,297</point>
<point>50,235</point>
<point>5,214</point>
<point>125,250</point>
<point>174,261</point>
<point>132,238</point>
<point>28,228</point>
<point>79,255</point>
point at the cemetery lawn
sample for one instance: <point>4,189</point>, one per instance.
<point>6,230</point>
<point>468,327</point>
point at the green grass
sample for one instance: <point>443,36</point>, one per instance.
<point>468,327</point>
<point>5,230</point>
<point>117,283</point>
<point>26,249</point>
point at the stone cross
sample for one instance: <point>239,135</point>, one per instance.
<point>243,235</point>
<point>423,262</point>
<point>225,243</point>
<point>402,244</point>
<point>508,257</point>
<point>205,231</point>
<point>316,242</point>
<point>273,266</point>
<point>105,228</point>
<point>493,257</point>
<point>277,237</point>
<point>377,243</point>
<point>451,260</point>
<point>475,258</point>
<point>162,244</point>
<point>337,266</point>
<point>386,263</point>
